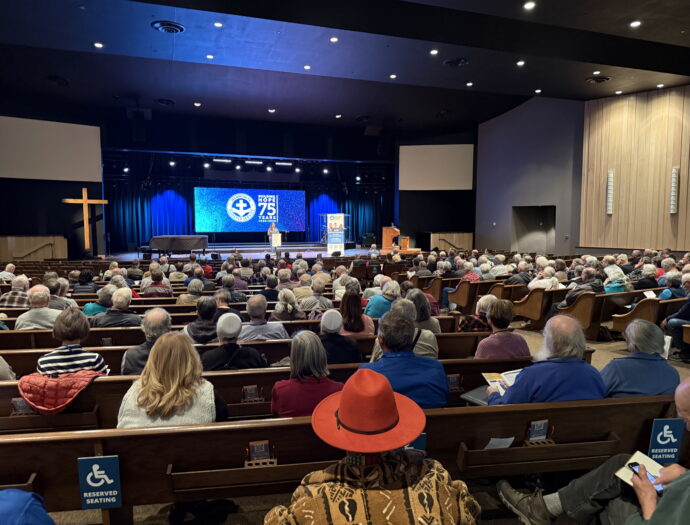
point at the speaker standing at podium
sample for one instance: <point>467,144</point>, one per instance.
<point>272,232</point>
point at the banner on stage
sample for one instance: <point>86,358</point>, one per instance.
<point>336,232</point>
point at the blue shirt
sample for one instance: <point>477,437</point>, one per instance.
<point>377,306</point>
<point>555,379</point>
<point>639,374</point>
<point>18,507</point>
<point>614,287</point>
<point>672,293</point>
<point>422,379</point>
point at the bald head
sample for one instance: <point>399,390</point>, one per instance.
<point>564,338</point>
<point>155,323</point>
<point>39,296</point>
<point>682,398</point>
<point>21,282</point>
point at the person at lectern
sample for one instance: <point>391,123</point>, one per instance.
<point>272,229</point>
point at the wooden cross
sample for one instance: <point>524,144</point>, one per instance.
<point>85,201</point>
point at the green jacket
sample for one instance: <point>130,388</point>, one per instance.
<point>673,507</point>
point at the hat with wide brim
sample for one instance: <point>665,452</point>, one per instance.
<point>372,426</point>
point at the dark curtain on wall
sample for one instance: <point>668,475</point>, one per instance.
<point>139,211</point>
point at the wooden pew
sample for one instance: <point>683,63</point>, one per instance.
<point>537,304</point>
<point>511,292</point>
<point>465,296</point>
<point>165,464</point>
<point>686,333</point>
<point>97,406</point>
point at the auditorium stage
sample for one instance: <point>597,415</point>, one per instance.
<point>253,250</point>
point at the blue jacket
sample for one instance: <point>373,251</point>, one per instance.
<point>553,380</point>
<point>377,306</point>
<point>683,313</point>
<point>422,379</point>
<point>672,293</point>
<point>639,374</point>
<point>18,507</point>
<point>614,287</point>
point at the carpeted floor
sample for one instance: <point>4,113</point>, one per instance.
<point>253,509</point>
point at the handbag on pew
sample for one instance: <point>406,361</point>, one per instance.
<point>50,395</point>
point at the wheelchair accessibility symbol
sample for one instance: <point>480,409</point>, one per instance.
<point>665,436</point>
<point>99,475</point>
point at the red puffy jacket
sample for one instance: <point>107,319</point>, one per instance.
<point>49,395</point>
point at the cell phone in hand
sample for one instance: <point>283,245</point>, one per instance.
<point>635,467</point>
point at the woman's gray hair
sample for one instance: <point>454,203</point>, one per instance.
<point>406,308</point>
<point>286,301</point>
<point>118,280</point>
<point>64,285</point>
<point>353,286</point>
<point>308,357</point>
<point>195,286</point>
<point>105,295</point>
<point>485,302</point>
<point>421,304</point>
<point>673,279</point>
<point>649,270</point>
<point>564,337</point>
<point>391,290</point>
<point>643,336</point>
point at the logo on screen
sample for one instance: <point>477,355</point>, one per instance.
<point>241,207</point>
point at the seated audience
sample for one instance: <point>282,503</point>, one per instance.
<point>229,285</point>
<point>406,286</point>
<point>225,269</point>
<point>355,322</point>
<point>589,282</point>
<point>229,355</point>
<point>339,348</point>
<point>86,284</point>
<point>8,273</point>
<point>71,328</point>
<point>304,289</point>
<point>380,304</point>
<point>240,283</point>
<point>156,287</point>
<point>203,329</point>
<point>208,271</point>
<point>423,270</point>
<point>222,298</point>
<point>616,281</point>
<point>378,282</point>
<point>644,372</point>
<point>378,476</point>
<point>39,317</point>
<point>104,301</point>
<point>189,265</point>
<point>17,297</point>
<point>57,290</point>
<point>485,272</point>
<point>502,343</point>
<point>648,279</point>
<point>423,342</point>
<point>421,378</point>
<point>6,372</point>
<point>287,309</point>
<point>146,281</point>
<point>316,301</point>
<point>340,272</point>
<point>601,497</point>
<point>194,289</point>
<point>522,276</point>
<point>674,287</point>
<point>155,323</point>
<point>673,325</point>
<point>560,373</point>
<point>270,293</point>
<point>258,328</point>
<point>284,275</point>
<point>318,273</point>
<point>545,279</point>
<point>308,384</point>
<point>119,282</point>
<point>73,278</point>
<point>177,275</point>
<point>137,274</point>
<point>119,314</point>
<point>423,320</point>
<point>478,322</point>
<point>170,390</point>
<point>667,265</point>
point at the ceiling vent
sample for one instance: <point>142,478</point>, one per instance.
<point>598,79</point>
<point>457,62</point>
<point>166,26</point>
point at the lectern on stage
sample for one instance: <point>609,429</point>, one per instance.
<point>391,232</point>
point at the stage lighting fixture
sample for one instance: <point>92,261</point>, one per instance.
<point>282,163</point>
<point>325,171</point>
<point>334,40</point>
<point>358,178</point>
<point>269,168</point>
<point>209,56</point>
<point>238,167</point>
<point>223,161</point>
<point>207,165</point>
<point>297,170</point>
<point>126,169</point>
<point>197,104</point>
<point>257,162</point>
<point>171,163</point>
<point>217,24</point>
<point>98,45</point>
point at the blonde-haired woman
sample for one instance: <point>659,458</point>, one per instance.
<point>170,390</point>
<point>287,309</point>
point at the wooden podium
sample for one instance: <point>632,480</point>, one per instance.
<point>387,235</point>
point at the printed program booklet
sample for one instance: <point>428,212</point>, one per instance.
<point>639,457</point>
<point>501,380</point>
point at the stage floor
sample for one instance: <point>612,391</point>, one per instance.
<point>253,250</point>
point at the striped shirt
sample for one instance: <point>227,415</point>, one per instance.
<point>69,359</point>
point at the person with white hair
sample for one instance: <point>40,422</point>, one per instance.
<point>674,287</point>
<point>155,323</point>
<point>57,289</point>
<point>560,373</point>
<point>229,355</point>
<point>39,317</point>
<point>339,348</point>
<point>478,322</point>
<point>373,251</point>
<point>522,276</point>
<point>316,301</point>
<point>499,267</point>
<point>545,279</point>
<point>284,275</point>
<point>616,281</point>
<point>119,314</point>
<point>258,328</point>
<point>340,271</point>
<point>380,304</point>
<point>18,296</point>
<point>287,309</point>
<point>648,279</point>
<point>644,372</point>
<point>304,289</point>
<point>485,272</point>
<point>8,273</point>
<point>667,265</point>
<point>379,280</point>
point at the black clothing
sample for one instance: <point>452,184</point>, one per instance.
<point>341,349</point>
<point>645,283</point>
<point>271,294</point>
<point>232,357</point>
<point>114,318</point>
<point>134,360</point>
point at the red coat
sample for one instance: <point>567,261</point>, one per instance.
<point>49,395</point>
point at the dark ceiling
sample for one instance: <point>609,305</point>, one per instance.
<point>47,55</point>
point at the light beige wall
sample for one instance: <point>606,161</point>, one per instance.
<point>461,240</point>
<point>436,167</point>
<point>33,248</point>
<point>642,138</point>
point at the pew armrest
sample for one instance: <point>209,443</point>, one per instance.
<point>28,486</point>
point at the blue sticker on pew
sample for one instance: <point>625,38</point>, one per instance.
<point>667,437</point>
<point>99,482</point>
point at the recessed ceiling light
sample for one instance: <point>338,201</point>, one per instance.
<point>635,23</point>
<point>530,5</point>
<point>358,178</point>
<point>269,168</point>
<point>271,110</point>
<point>537,91</point>
<point>217,24</point>
<point>520,63</point>
<point>171,163</point>
<point>338,116</point>
<point>596,72</point>
<point>238,167</point>
<point>126,170</point>
<point>98,45</point>
<point>325,171</point>
<point>470,84</point>
<point>659,86</point>
<point>433,52</point>
<point>197,104</point>
<point>297,170</point>
<point>207,165</point>
<point>210,57</point>
<point>392,76</point>
<point>334,40</point>
<point>307,67</point>
<point>619,92</point>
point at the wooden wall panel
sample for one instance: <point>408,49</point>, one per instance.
<point>642,138</point>
<point>449,240</point>
<point>32,248</point>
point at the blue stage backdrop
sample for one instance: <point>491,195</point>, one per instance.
<point>247,210</point>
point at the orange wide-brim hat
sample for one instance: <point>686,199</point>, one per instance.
<point>366,416</point>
